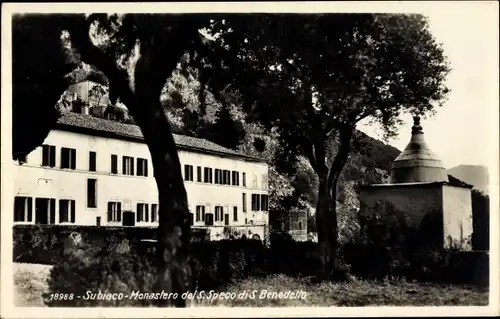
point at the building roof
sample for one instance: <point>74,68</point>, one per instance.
<point>87,124</point>
<point>417,163</point>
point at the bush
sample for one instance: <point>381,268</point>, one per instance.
<point>124,267</point>
<point>42,244</point>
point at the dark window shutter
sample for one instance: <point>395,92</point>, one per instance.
<point>73,212</point>
<point>139,169</point>
<point>131,166</point>
<point>114,164</point>
<point>137,213</point>
<point>146,167</point>
<point>110,205</point>
<point>124,170</point>
<point>146,213</point>
<point>52,155</point>
<point>119,211</point>
<point>73,159</point>
<point>60,210</point>
<point>52,211</point>
<point>45,155</point>
<point>30,209</point>
<point>64,158</point>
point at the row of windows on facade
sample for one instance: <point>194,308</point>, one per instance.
<point>260,202</point>
<point>23,210</point>
<point>221,177</point>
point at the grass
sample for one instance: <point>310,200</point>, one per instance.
<point>353,294</point>
<point>30,283</point>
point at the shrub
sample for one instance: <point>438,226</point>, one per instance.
<point>42,244</point>
<point>123,267</point>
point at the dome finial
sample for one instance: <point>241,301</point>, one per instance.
<point>417,128</point>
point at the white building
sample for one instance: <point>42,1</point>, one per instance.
<point>91,171</point>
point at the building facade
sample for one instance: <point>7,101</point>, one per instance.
<point>91,171</point>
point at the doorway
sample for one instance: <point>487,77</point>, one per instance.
<point>45,211</point>
<point>128,218</point>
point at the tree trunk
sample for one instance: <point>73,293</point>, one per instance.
<point>326,224</point>
<point>173,268</point>
<point>326,210</point>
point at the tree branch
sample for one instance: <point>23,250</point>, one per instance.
<point>80,39</point>
<point>346,133</point>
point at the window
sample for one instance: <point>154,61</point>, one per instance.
<point>235,213</point>
<point>68,158</point>
<point>244,202</point>
<point>264,202</point>
<point>188,173</point>
<point>98,221</point>
<point>142,167</point>
<point>198,174</point>
<point>227,177</point>
<point>244,179</point>
<point>209,219</point>
<point>154,213</point>
<point>264,181</point>
<point>219,213</point>
<point>218,177</point>
<point>48,155</point>
<point>235,178</point>
<point>114,164</point>
<point>114,212</point>
<point>92,161</point>
<point>142,212</point>
<point>23,209</point>
<point>66,211</point>
<point>256,202</point>
<point>200,213</point>
<point>207,175</point>
<point>128,165</point>
<point>92,193</point>
<point>254,181</point>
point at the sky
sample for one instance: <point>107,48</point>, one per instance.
<point>465,129</point>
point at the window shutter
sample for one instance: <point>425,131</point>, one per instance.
<point>114,164</point>
<point>73,158</point>
<point>52,209</point>
<point>64,158</point>
<point>52,156</point>
<point>30,209</point>
<point>110,206</point>
<point>119,208</point>
<point>146,213</point>
<point>124,166</point>
<point>73,213</point>
<point>45,155</point>
<point>131,166</point>
<point>146,167</point>
<point>137,213</point>
<point>60,210</point>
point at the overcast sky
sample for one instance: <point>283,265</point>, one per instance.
<point>465,129</point>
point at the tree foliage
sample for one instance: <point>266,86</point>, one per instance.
<point>314,77</point>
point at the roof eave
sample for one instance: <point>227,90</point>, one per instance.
<point>90,131</point>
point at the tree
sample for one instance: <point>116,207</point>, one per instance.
<point>97,92</point>
<point>136,53</point>
<point>314,77</point>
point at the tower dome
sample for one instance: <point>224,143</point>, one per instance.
<point>417,163</point>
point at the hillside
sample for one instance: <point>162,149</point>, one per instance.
<point>475,175</point>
